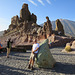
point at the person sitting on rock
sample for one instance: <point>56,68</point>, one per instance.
<point>9,42</point>
<point>33,54</point>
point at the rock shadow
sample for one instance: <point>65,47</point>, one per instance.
<point>64,68</point>
<point>6,70</point>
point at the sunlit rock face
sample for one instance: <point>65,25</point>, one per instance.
<point>59,27</point>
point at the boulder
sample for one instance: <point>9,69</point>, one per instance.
<point>45,58</point>
<point>73,45</point>
<point>68,47</point>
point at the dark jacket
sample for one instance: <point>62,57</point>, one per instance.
<point>9,44</point>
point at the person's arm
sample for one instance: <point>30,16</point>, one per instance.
<point>35,50</point>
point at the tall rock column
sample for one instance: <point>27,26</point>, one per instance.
<point>47,27</point>
<point>25,14</point>
<point>59,27</point>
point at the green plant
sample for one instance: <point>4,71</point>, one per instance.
<point>68,48</point>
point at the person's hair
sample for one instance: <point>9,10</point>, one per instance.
<point>9,39</point>
<point>35,40</point>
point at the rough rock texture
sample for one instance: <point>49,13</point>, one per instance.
<point>68,44</point>
<point>33,18</point>
<point>24,23</point>
<point>47,27</point>
<point>73,45</point>
<point>15,20</point>
<point>24,29</point>
<point>45,58</point>
<point>58,41</point>
<point>59,27</point>
<point>70,48</point>
<point>25,13</point>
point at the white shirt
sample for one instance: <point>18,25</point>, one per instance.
<point>35,46</point>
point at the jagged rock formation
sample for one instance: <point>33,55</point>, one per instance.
<point>59,27</point>
<point>24,29</point>
<point>47,27</point>
<point>24,23</point>
<point>14,22</point>
<point>25,14</point>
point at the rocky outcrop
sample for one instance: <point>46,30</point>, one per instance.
<point>58,41</point>
<point>73,45</point>
<point>59,27</point>
<point>45,58</point>
<point>70,47</point>
<point>24,29</point>
<point>33,18</point>
<point>47,27</point>
<point>24,22</point>
<point>25,13</point>
<point>15,20</point>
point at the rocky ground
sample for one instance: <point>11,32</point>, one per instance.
<point>18,62</point>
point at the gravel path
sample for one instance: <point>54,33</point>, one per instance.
<point>17,64</point>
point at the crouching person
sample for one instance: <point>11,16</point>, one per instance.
<point>33,54</point>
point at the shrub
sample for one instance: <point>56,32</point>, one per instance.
<point>68,48</point>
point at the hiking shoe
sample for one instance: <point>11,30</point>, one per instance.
<point>29,66</point>
<point>32,68</point>
<point>7,56</point>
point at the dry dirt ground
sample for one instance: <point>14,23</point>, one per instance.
<point>18,62</point>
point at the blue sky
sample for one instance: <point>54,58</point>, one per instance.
<point>55,9</point>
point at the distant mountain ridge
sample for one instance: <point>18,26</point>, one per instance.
<point>69,26</point>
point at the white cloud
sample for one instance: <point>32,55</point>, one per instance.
<point>32,2</point>
<point>48,1</point>
<point>41,2</point>
<point>4,23</point>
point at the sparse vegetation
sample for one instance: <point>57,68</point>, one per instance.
<point>68,48</point>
